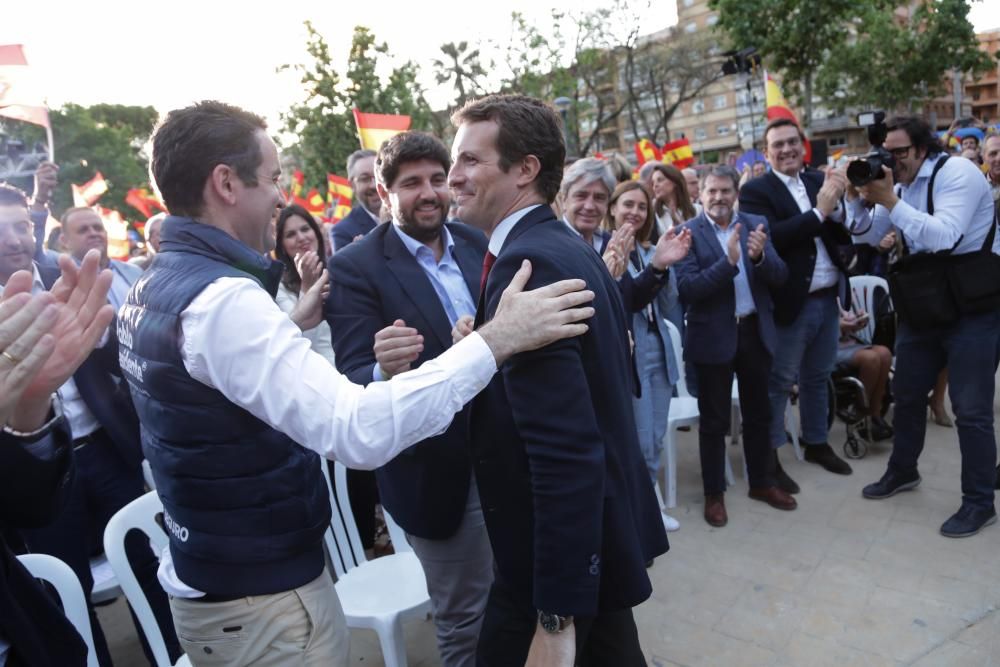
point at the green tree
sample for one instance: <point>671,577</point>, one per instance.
<point>937,38</point>
<point>462,66</point>
<point>323,123</point>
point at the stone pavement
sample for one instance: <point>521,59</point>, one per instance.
<point>839,581</point>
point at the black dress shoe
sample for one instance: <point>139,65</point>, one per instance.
<point>880,431</point>
<point>823,455</point>
<point>968,521</point>
<point>891,483</point>
<point>781,478</point>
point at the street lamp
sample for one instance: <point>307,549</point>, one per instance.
<point>562,105</point>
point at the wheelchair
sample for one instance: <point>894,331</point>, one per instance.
<point>848,402</point>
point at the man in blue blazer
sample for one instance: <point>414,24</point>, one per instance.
<point>725,281</point>
<point>364,216</point>
<point>571,515</point>
<point>405,286</point>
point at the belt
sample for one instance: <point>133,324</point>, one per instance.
<point>80,443</point>
<point>746,318</point>
<point>209,597</point>
<point>825,292</point>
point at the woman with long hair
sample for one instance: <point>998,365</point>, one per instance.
<point>672,202</point>
<point>631,206</point>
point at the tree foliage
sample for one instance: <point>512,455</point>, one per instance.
<point>464,68</point>
<point>323,123</point>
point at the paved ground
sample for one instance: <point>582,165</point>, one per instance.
<point>840,581</point>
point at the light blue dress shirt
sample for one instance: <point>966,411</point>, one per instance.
<point>744,297</point>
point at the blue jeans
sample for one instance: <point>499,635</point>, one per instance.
<point>805,351</point>
<point>652,408</point>
<point>969,350</point>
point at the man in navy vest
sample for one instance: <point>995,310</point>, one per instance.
<point>235,405</point>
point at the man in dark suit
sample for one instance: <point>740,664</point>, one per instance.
<point>406,285</point>
<point>364,216</point>
<point>571,515</point>
<point>725,282</point>
<point>804,211</point>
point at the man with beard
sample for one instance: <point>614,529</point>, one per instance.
<point>364,217</point>
<point>406,285</point>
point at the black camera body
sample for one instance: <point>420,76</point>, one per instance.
<point>868,168</point>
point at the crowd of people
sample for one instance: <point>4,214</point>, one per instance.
<point>486,343</point>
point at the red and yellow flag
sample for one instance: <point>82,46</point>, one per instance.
<point>337,188</point>
<point>374,128</point>
<point>314,203</point>
<point>21,95</point>
<point>678,153</point>
<point>88,193</point>
<point>117,229</point>
<point>647,151</point>
<point>144,201</point>
<point>778,107</point>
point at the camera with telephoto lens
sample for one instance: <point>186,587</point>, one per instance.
<point>868,168</point>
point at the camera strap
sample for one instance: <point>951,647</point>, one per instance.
<point>930,207</point>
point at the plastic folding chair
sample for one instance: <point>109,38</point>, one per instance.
<point>62,578</point>
<point>140,514</point>
<point>376,594</point>
<point>863,297</point>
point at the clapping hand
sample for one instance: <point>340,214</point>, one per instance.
<point>619,247</point>
<point>733,244</point>
<point>310,268</point>
<point>756,242</point>
<point>671,248</point>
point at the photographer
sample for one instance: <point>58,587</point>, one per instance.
<point>944,206</point>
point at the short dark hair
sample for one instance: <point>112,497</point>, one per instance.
<point>527,126</point>
<point>919,131</point>
<point>192,141</point>
<point>11,195</point>
<point>408,147</point>
<point>291,278</point>
<point>68,213</point>
<point>783,122</point>
<point>721,171</point>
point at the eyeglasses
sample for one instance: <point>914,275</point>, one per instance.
<point>901,152</point>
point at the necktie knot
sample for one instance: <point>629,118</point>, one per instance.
<point>487,265</point>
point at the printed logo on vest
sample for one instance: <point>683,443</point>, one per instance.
<point>177,530</point>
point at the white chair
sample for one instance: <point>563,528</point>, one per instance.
<point>140,514</point>
<point>62,578</point>
<point>375,594</point>
<point>106,586</point>
<point>863,289</point>
<point>683,412</point>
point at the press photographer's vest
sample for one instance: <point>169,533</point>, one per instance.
<point>245,507</point>
<point>935,289</point>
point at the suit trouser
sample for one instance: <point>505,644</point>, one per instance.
<point>609,639</point>
<point>752,366</point>
<point>459,571</point>
<point>103,485</point>
<point>303,626</point>
<point>969,350</point>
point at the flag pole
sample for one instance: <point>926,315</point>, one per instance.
<point>52,145</point>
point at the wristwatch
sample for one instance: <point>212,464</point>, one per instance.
<point>554,623</point>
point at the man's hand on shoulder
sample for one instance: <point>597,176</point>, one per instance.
<point>529,320</point>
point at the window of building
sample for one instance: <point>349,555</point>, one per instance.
<point>722,130</point>
<point>691,27</point>
<point>700,134</point>
<point>712,19</point>
<point>688,3</point>
<point>719,102</point>
<point>698,106</point>
<point>836,142</point>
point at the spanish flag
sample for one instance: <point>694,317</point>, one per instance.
<point>678,153</point>
<point>341,210</point>
<point>22,95</point>
<point>778,107</point>
<point>374,128</point>
<point>338,188</point>
<point>88,193</point>
<point>298,184</point>
<point>314,203</point>
<point>117,230</point>
<point>647,151</point>
<point>142,200</point>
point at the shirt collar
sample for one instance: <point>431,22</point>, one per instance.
<point>789,181</point>
<point>716,226</point>
<point>501,231</point>
<point>927,167</point>
<point>414,246</point>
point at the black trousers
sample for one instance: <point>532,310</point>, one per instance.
<point>609,639</point>
<point>752,367</point>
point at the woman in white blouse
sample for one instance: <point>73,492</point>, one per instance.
<point>299,246</point>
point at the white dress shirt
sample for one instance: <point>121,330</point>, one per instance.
<point>236,339</point>
<point>825,273</point>
<point>501,231</point>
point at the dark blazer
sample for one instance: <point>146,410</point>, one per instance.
<point>32,491</point>
<point>372,283</point>
<point>571,513</point>
<point>638,291</point>
<point>357,222</point>
<point>106,392</point>
<point>705,281</point>
<point>792,233</point>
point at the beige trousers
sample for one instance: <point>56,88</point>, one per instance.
<point>303,626</point>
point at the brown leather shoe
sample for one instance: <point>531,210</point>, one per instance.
<point>774,497</point>
<point>715,510</point>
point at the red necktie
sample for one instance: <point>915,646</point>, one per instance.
<point>487,265</point>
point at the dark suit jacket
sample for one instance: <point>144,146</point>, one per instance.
<point>373,283</point>
<point>793,234</point>
<point>571,513</point>
<point>105,391</point>
<point>32,491</point>
<point>637,291</point>
<point>357,222</point>
<point>705,281</point>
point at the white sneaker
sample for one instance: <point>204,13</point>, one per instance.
<point>670,523</point>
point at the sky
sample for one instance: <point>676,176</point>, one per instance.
<point>170,54</point>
